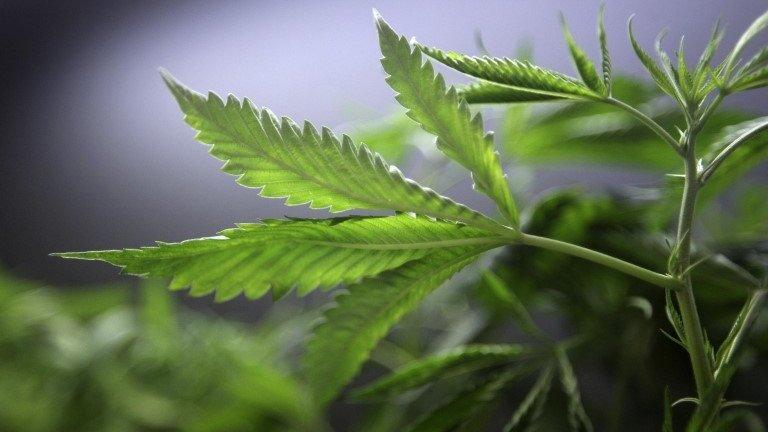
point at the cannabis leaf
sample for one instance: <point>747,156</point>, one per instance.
<point>584,65</point>
<point>441,112</point>
<point>531,408</point>
<point>466,404</point>
<point>306,166</point>
<point>486,92</point>
<point>577,416</point>
<point>757,26</point>
<point>657,74</point>
<point>520,75</point>
<point>605,55</point>
<point>351,329</point>
<point>457,361</point>
<point>253,258</point>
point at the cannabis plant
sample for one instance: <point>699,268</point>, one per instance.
<point>390,263</point>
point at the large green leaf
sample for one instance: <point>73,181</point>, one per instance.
<point>457,361</point>
<point>441,112</point>
<point>253,258</point>
<point>342,342</point>
<point>306,166</point>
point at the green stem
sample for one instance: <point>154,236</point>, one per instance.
<point>655,127</point>
<point>694,335</point>
<point>658,279</point>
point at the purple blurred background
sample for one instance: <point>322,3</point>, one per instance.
<point>94,153</point>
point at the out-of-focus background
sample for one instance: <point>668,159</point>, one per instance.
<point>94,155</point>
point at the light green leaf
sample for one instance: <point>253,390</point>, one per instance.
<point>756,62</point>
<point>253,258</point>
<point>723,149</point>
<point>532,407</point>
<point>703,66</point>
<point>658,76</point>
<point>750,81</point>
<point>465,405</point>
<point>457,361</point>
<point>342,342</point>
<point>520,75</point>
<point>306,166</point>
<point>484,92</point>
<point>605,55</point>
<point>757,26</point>
<point>441,112</point>
<point>584,66</point>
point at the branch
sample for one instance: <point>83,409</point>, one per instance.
<point>651,123</point>
<point>730,148</point>
<point>658,279</point>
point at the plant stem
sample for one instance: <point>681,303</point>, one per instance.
<point>655,127</point>
<point>730,148</point>
<point>694,335</point>
<point>658,279</point>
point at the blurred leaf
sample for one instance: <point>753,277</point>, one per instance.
<point>465,405</point>
<point>529,411</point>
<point>577,416</point>
<point>363,316</point>
<point>458,361</point>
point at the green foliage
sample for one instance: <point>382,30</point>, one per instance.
<point>278,255</point>
<point>605,55</point>
<point>520,75</point>
<point>603,264</point>
<point>584,65</point>
<point>423,371</point>
<point>365,315</point>
<point>443,113</point>
<point>303,165</point>
<point>530,410</point>
<point>464,406</point>
<point>119,366</point>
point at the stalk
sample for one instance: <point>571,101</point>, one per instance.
<point>658,279</point>
<point>702,369</point>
